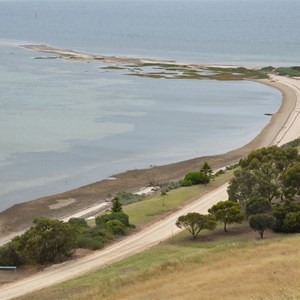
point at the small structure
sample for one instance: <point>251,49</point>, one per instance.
<point>8,268</point>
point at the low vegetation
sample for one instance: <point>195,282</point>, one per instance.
<point>289,71</point>
<point>51,241</point>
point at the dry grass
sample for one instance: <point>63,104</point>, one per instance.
<point>235,265</point>
<point>264,270</point>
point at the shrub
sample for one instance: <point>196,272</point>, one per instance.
<point>287,217</point>
<point>195,177</point>
<point>9,256</point>
<point>79,224</point>
<point>100,220</point>
<point>87,242</point>
<point>116,226</point>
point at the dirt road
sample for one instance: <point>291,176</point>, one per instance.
<point>128,246</point>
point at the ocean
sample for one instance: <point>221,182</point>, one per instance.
<point>65,124</point>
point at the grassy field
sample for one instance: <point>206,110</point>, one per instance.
<point>235,265</point>
<point>151,208</point>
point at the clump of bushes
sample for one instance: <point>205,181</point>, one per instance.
<point>198,177</point>
<point>49,241</point>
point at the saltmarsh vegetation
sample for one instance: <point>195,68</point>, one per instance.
<point>183,71</point>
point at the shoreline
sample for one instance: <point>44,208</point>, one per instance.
<point>19,216</point>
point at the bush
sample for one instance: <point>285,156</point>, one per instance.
<point>122,217</point>
<point>287,217</point>
<point>79,224</point>
<point>127,198</point>
<point>195,177</point>
<point>116,226</point>
<point>87,242</point>
<point>9,256</point>
<point>94,238</point>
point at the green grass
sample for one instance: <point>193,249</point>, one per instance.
<point>151,208</point>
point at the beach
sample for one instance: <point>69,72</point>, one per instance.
<point>283,127</point>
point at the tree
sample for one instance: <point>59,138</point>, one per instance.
<point>195,177</point>
<point>116,205</point>
<point>195,222</point>
<point>261,222</point>
<point>227,212</point>
<point>287,217</point>
<point>240,187</point>
<point>262,175</point>
<point>206,169</point>
<point>163,194</point>
<point>292,177</point>
<point>257,206</point>
<point>47,240</point>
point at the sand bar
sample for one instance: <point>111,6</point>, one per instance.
<point>284,126</point>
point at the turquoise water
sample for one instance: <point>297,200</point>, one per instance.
<point>65,124</point>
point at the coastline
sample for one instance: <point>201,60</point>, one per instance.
<point>19,216</point>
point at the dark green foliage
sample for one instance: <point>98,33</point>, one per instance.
<point>261,223</point>
<point>94,238</point>
<point>290,71</point>
<point>117,227</point>
<point>268,69</point>
<point>47,241</point>
<point>240,187</point>
<point>292,177</point>
<point>195,222</point>
<point>206,169</point>
<point>116,205</point>
<point>294,143</point>
<point>195,177</point>
<point>262,175</point>
<point>10,256</point>
<point>227,212</point>
<point>86,242</point>
<point>287,217</point>
<point>257,206</point>
<point>79,224</point>
<point>122,217</point>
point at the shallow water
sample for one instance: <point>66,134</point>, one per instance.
<point>65,124</point>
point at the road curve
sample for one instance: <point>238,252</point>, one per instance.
<point>133,244</point>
